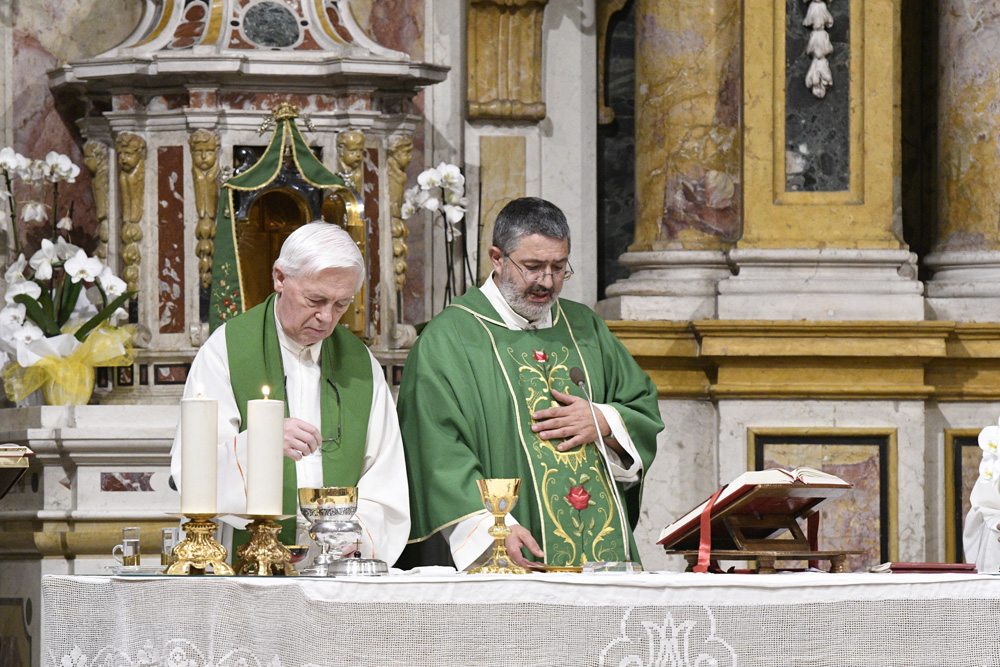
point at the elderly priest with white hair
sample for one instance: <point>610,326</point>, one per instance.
<point>340,424</point>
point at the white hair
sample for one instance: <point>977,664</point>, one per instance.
<point>317,246</point>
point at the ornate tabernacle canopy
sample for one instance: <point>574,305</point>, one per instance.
<point>286,151</point>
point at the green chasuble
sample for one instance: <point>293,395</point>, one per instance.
<point>469,387</point>
<point>345,370</point>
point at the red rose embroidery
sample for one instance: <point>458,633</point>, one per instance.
<point>540,356</point>
<point>578,497</point>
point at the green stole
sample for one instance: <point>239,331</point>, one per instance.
<point>578,501</point>
<point>345,368</point>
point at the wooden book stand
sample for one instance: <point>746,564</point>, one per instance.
<point>762,525</point>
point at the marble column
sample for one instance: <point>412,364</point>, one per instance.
<point>965,260</point>
<point>687,160</point>
<point>822,228</point>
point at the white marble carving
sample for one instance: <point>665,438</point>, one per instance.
<point>819,77</point>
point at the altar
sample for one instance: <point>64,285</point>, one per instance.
<point>542,619</point>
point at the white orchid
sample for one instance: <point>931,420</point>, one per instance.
<point>451,177</point>
<point>65,223</point>
<point>429,178</point>
<point>112,285</point>
<point>80,267</point>
<point>34,210</point>
<point>26,333</point>
<point>989,439</point>
<point>61,168</point>
<point>453,214</point>
<point>43,260</point>
<point>65,250</point>
<point>407,210</point>
<point>11,160</point>
<point>15,272</point>
<point>29,287</point>
<point>12,315</point>
<point>34,170</point>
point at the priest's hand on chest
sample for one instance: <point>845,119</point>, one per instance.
<point>573,421</point>
<point>301,438</point>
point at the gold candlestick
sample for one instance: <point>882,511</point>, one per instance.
<point>199,550</point>
<point>499,497</point>
<point>264,555</point>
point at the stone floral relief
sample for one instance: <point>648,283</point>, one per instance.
<point>818,19</point>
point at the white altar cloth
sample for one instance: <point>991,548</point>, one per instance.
<point>639,620</point>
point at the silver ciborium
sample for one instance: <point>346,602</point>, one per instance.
<point>331,511</point>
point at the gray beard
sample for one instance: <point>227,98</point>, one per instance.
<point>518,302</point>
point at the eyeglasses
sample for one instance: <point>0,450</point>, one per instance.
<point>327,444</point>
<point>536,276</point>
<point>333,444</point>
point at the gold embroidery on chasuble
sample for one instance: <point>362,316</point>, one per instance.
<point>576,497</point>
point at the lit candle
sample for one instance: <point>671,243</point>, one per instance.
<point>265,441</point>
<point>199,454</point>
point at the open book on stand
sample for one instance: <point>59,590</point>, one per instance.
<point>791,494</point>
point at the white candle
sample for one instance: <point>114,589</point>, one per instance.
<point>265,441</point>
<point>199,455</point>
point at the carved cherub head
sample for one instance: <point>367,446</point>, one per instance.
<point>351,149</point>
<point>95,155</point>
<point>401,151</point>
<point>204,149</point>
<point>131,149</point>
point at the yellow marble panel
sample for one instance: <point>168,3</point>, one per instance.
<point>502,177</point>
<point>687,124</point>
<point>867,214</point>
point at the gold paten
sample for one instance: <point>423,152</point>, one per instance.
<point>199,550</point>
<point>264,555</point>
<point>499,497</point>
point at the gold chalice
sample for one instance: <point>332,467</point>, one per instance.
<point>499,497</point>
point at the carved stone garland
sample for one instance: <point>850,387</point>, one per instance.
<point>819,77</point>
<point>131,185</point>
<point>95,158</point>
<point>205,174</point>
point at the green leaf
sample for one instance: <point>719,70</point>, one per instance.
<point>46,302</point>
<point>584,478</point>
<point>576,522</point>
<point>68,300</point>
<point>590,526</point>
<point>95,321</point>
<point>37,314</point>
<point>572,482</point>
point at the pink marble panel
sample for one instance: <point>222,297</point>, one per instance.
<point>170,216</point>
<point>126,481</point>
<point>853,521</point>
<point>40,127</point>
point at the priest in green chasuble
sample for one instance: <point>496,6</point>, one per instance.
<point>487,392</point>
<point>340,427</point>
